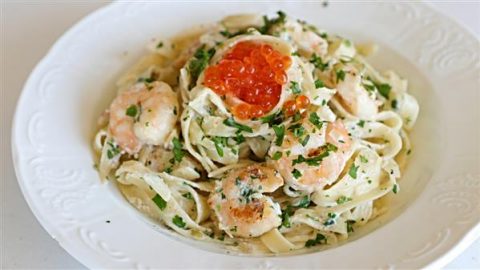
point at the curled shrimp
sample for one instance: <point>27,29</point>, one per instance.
<point>353,94</point>
<point>319,166</point>
<point>144,114</point>
<point>239,204</point>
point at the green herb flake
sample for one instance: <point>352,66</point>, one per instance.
<point>340,75</point>
<point>268,23</point>
<point>160,202</point>
<point>188,196</point>
<point>318,62</point>
<point>113,151</point>
<point>280,133</point>
<point>330,220</point>
<point>384,89</point>
<point>343,199</point>
<point>272,119</point>
<point>298,130</point>
<point>304,202</point>
<point>177,220</point>
<point>315,119</point>
<point>199,62</point>
<point>394,104</point>
<point>178,152</point>
<point>277,155</point>
<point>160,45</point>
<point>319,239</point>
<point>395,189</point>
<point>219,142</point>
<point>363,159</point>
<point>295,88</point>
<point>286,217</point>
<point>239,138</point>
<point>132,111</point>
<point>232,123</point>
<point>296,173</point>
<point>350,225</point>
<point>361,123</point>
<point>225,33</point>
<point>319,84</point>
<point>353,171</point>
<point>305,140</point>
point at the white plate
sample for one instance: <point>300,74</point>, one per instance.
<point>433,218</point>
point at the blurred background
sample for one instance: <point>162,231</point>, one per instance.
<point>28,30</point>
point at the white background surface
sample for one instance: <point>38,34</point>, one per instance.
<point>28,30</point>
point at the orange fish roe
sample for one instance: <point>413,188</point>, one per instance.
<point>252,72</point>
<point>292,106</point>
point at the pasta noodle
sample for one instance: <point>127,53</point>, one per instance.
<point>265,135</point>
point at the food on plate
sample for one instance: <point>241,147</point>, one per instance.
<point>266,135</point>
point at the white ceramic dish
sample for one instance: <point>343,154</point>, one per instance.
<point>433,218</point>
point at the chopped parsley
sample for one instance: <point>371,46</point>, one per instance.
<point>286,216</point>
<point>272,119</point>
<point>199,63</point>
<point>343,199</point>
<point>330,220</point>
<point>318,62</point>
<point>319,84</point>
<point>280,133</point>
<point>395,189</point>
<point>297,116</point>
<point>369,87</point>
<point>295,88</point>
<point>178,152</point>
<point>304,202</point>
<point>319,239</point>
<point>239,138</point>
<point>331,147</point>
<point>394,104</point>
<point>160,202</point>
<point>383,89</point>
<point>160,45</point>
<point>220,142</point>
<point>232,123</point>
<point>113,151</point>
<point>277,155</point>
<point>315,161</point>
<point>132,110</point>
<point>305,140</point>
<point>361,123</point>
<point>315,119</point>
<point>350,225</point>
<point>363,159</point>
<point>298,130</point>
<point>177,220</point>
<point>353,171</point>
<point>268,23</point>
<point>188,195</point>
<point>145,80</point>
<point>296,173</point>
<point>226,33</point>
<point>247,192</point>
<point>340,75</point>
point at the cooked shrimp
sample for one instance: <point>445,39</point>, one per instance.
<point>241,208</point>
<point>319,166</point>
<point>303,36</point>
<point>143,115</point>
<point>353,94</point>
